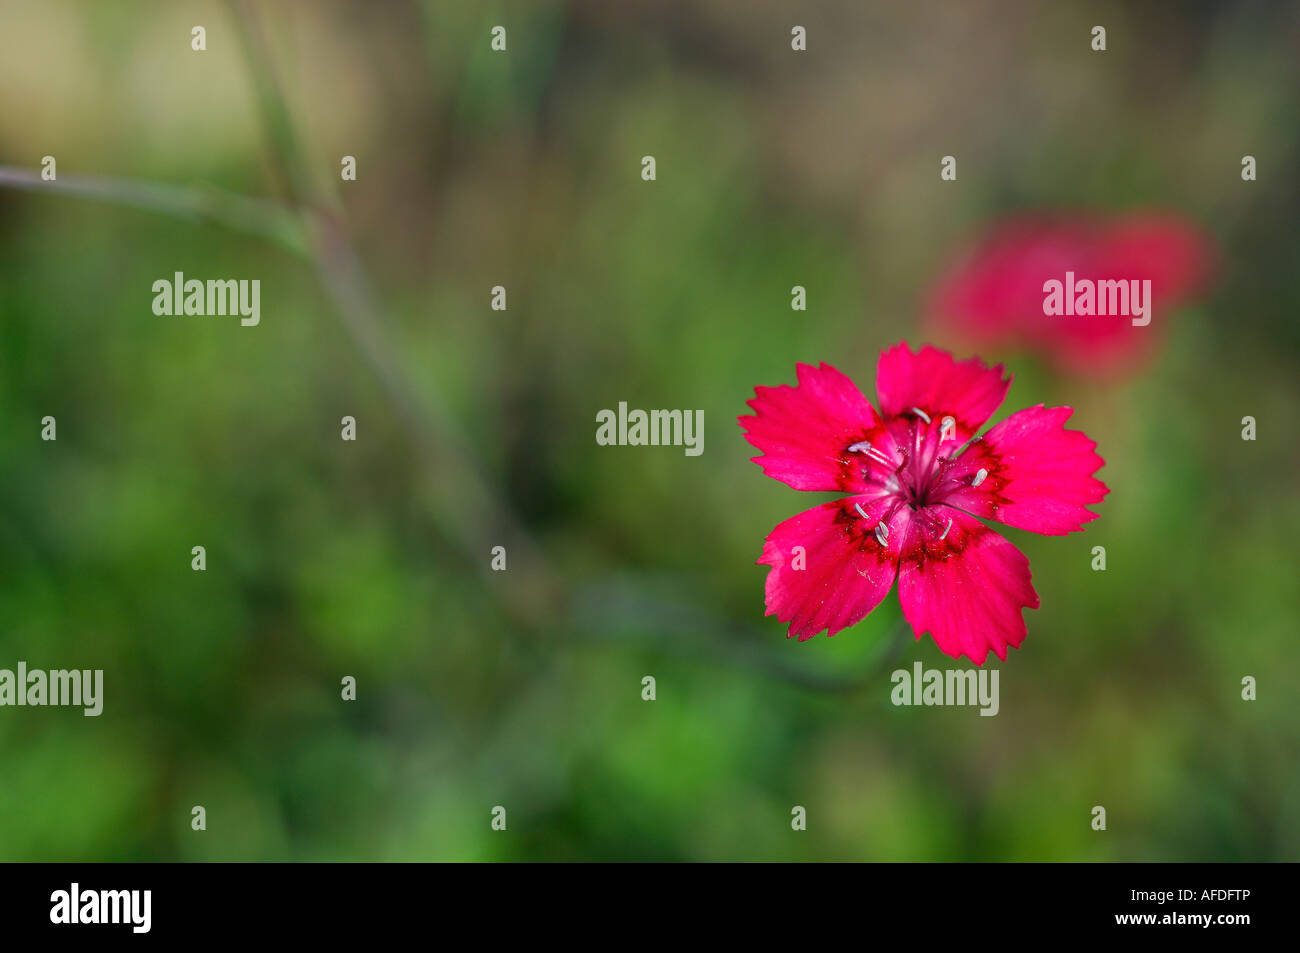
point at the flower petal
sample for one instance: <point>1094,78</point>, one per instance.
<point>805,433</point>
<point>994,296</point>
<point>1037,475</point>
<point>844,570</point>
<point>1174,254</point>
<point>932,381</point>
<point>966,589</point>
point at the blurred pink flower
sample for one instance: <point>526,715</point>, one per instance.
<point>994,297</point>
<point>918,477</point>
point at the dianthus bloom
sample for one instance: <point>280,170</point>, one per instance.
<point>918,477</point>
<point>994,296</point>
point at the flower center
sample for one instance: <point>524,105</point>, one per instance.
<point>923,449</point>
<point>927,447</point>
<point>917,485</point>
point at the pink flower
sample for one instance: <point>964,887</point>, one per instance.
<point>918,478</point>
<point>994,297</point>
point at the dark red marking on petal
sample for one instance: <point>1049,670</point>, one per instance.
<point>1040,475</point>
<point>846,571</point>
<point>967,590</point>
<point>804,431</point>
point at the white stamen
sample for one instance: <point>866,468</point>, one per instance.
<point>947,429</point>
<point>979,477</point>
<point>882,533</point>
<point>864,446</point>
<point>945,530</point>
<point>921,413</point>
<point>862,511</point>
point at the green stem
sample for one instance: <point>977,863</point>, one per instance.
<point>256,216</point>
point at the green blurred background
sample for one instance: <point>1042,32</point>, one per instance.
<point>476,428</point>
